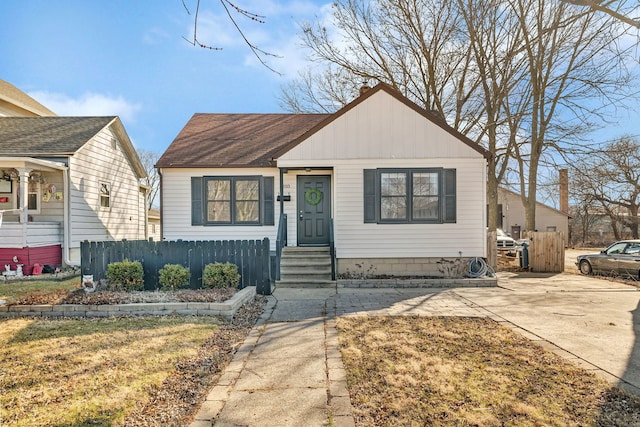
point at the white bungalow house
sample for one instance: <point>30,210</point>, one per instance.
<point>64,180</point>
<point>390,186</point>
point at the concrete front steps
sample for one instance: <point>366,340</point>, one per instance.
<point>305,267</point>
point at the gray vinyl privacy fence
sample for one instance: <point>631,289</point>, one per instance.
<point>251,256</point>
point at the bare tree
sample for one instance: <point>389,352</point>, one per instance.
<point>152,180</point>
<point>232,11</point>
<point>605,7</point>
<point>495,37</point>
<point>414,46</point>
<point>573,62</point>
<point>611,178</point>
<point>527,79</point>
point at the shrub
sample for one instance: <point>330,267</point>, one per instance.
<point>174,276</point>
<point>218,275</point>
<point>125,276</point>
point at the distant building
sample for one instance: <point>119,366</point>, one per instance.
<point>511,216</point>
<point>16,103</point>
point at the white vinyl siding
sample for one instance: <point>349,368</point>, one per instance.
<point>385,133</point>
<point>98,162</point>
<point>176,207</point>
<point>356,239</point>
<point>378,133</point>
<point>380,128</point>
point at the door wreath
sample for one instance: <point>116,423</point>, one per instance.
<point>313,196</point>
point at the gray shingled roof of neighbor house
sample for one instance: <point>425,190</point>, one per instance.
<point>235,140</point>
<point>30,136</point>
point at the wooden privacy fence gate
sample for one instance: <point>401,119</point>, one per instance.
<point>546,251</point>
<point>251,256</point>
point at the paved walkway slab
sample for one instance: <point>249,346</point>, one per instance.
<point>289,370</point>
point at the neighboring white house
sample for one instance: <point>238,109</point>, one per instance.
<point>64,180</point>
<point>153,219</point>
<point>403,190</point>
<point>512,216</point>
<point>16,103</point>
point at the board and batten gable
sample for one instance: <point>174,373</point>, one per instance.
<point>177,206</point>
<point>385,133</point>
<point>102,160</point>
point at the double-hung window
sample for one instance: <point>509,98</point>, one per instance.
<point>232,200</point>
<point>410,195</point>
<point>105,195</point>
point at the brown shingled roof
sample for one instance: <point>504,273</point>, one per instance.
<point>254,140</point>
<point>235,140</point>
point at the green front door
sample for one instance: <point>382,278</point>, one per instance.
<point>314,210</point>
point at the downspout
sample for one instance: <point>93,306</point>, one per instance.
<point>161,206</point>
<point>66,224</point>
<point>281,191</point>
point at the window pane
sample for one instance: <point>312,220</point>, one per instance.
<point>32,202</point>
<point>247,211</point>
<point>425,208</point>
<point>393,208</point>
<point>219,211</point>
<point>105,194</point>
<point>393,184</point>
<point>425,184</point>
<point>218,189</point>
<point>247,190</point>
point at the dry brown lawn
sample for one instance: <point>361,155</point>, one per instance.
<point>128,371</point>
<point>449,371</point>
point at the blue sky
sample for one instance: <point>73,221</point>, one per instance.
<point>129,58</point>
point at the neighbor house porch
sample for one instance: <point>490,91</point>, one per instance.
<point>32,208</point>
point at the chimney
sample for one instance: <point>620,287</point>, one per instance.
<point>564,190</point>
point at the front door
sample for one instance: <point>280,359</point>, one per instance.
<point>314,210</point>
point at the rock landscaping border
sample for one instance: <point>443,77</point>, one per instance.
<point>225,310</point>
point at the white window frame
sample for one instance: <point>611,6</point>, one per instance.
<point>37,192</point>
<point>109,196</point>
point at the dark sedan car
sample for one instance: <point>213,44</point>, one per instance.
<point>620,259</point>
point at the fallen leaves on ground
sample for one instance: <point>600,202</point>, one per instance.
<point>79,296</point>
<point>442,371</point>
<point>178,398</point>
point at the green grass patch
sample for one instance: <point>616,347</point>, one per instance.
<point>430,371</point>
<point>14,290</point>
<point>90,371</point>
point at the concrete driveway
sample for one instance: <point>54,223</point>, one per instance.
<point>592,320</point>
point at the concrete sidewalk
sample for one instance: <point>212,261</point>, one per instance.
<point>289,370</point>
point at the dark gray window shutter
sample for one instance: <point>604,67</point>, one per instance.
<point>449,203</point>
<point>370,195</point>
<point>268,200</point>
<point>196,201</point>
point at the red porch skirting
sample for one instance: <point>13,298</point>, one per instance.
<point>51,255</point>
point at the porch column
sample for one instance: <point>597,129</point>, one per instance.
<point>23,173</point>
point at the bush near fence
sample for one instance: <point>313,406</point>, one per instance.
<point>251,256</point>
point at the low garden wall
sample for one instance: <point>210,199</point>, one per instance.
<point>225,310</point>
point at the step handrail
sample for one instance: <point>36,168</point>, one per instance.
<point>281,241</point>
<point>332,249</point>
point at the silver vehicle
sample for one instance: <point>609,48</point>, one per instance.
<point>620,259</point>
